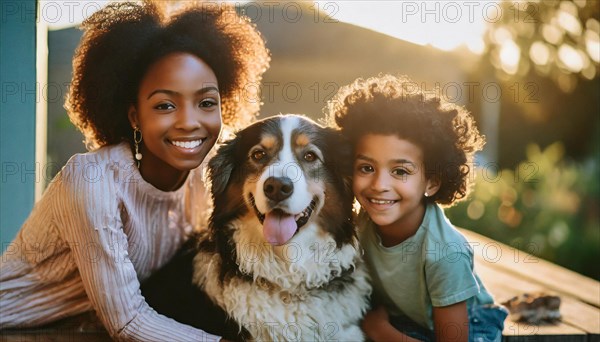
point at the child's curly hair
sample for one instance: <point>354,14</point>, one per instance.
<point>392,105</point>
<point>121,42</point>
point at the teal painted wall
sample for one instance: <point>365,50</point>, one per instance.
<point>17,115</point>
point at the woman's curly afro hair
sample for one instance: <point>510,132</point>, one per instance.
<point>391,105</point>
<point>121,42</point>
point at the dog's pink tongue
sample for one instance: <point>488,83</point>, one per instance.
<point>279,227</point>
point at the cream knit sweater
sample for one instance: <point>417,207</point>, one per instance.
<point>98,231</point>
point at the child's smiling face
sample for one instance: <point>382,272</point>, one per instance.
<point>389,181</point>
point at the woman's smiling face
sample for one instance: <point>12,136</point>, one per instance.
<point>178,111</point>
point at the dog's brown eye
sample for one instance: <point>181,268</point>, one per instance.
<point>310,156</point>
<point>258,155</point>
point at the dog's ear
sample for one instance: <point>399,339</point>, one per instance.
<point>221,166</point>
<point>342,162</point>
<point>342,154</point>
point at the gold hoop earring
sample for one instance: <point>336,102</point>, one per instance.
<point>137,139</point>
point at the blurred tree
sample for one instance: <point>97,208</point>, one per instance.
<point>545,55</point>
<point>542,199</point>
<point>546,206</point>
<point>559,39</point>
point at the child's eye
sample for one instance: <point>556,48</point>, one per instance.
<point>366,169</point>
<point>208,103</point>
<point>400,172</point>
<point>164,106</point>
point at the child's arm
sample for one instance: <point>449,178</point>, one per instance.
<point>451,323</point>
<point>377,327</point>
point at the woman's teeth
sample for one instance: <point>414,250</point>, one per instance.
<point>380,201</point>
<point>187,144</point>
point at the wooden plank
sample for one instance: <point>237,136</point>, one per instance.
<point>535,270</point>
<point>581,321</point>
<point>83,327</point>
<point>52,335</point>
<point>547,338</point>
<point>514,332</point>
<point>578,318</point>
<point>580,315</point>
<point>515,328</point>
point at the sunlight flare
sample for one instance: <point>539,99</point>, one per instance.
<point>442,24</point>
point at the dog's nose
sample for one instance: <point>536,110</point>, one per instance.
<point>278,188</point>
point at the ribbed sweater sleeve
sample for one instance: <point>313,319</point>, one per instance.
<point>90,224</point>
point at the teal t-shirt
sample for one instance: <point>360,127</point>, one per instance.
<point>434,267</point>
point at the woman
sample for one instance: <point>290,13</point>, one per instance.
<point>150,92</point>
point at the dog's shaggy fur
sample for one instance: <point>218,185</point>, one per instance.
<point>280,255</point>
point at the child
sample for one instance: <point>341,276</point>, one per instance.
<point>412,151</point>
<point>149,92</point>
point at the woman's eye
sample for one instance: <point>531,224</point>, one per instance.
<point>258,155</point>
<point>208,103</point>
<point>165,106</point>
<point>310,157</point>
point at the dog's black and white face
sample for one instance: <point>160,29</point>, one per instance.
<point>282,171</point>
<point>284,188</point>
<point>281,241</point>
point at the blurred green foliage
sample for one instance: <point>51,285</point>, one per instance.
<point>547,206</point>
<point>557,39</point>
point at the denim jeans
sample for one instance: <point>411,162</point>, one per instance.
<point>486,323</point>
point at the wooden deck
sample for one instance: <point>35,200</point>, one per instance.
<point>505,271</point>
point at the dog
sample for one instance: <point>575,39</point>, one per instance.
<point>280,255</point>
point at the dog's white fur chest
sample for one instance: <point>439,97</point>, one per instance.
<point>290,301</point>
